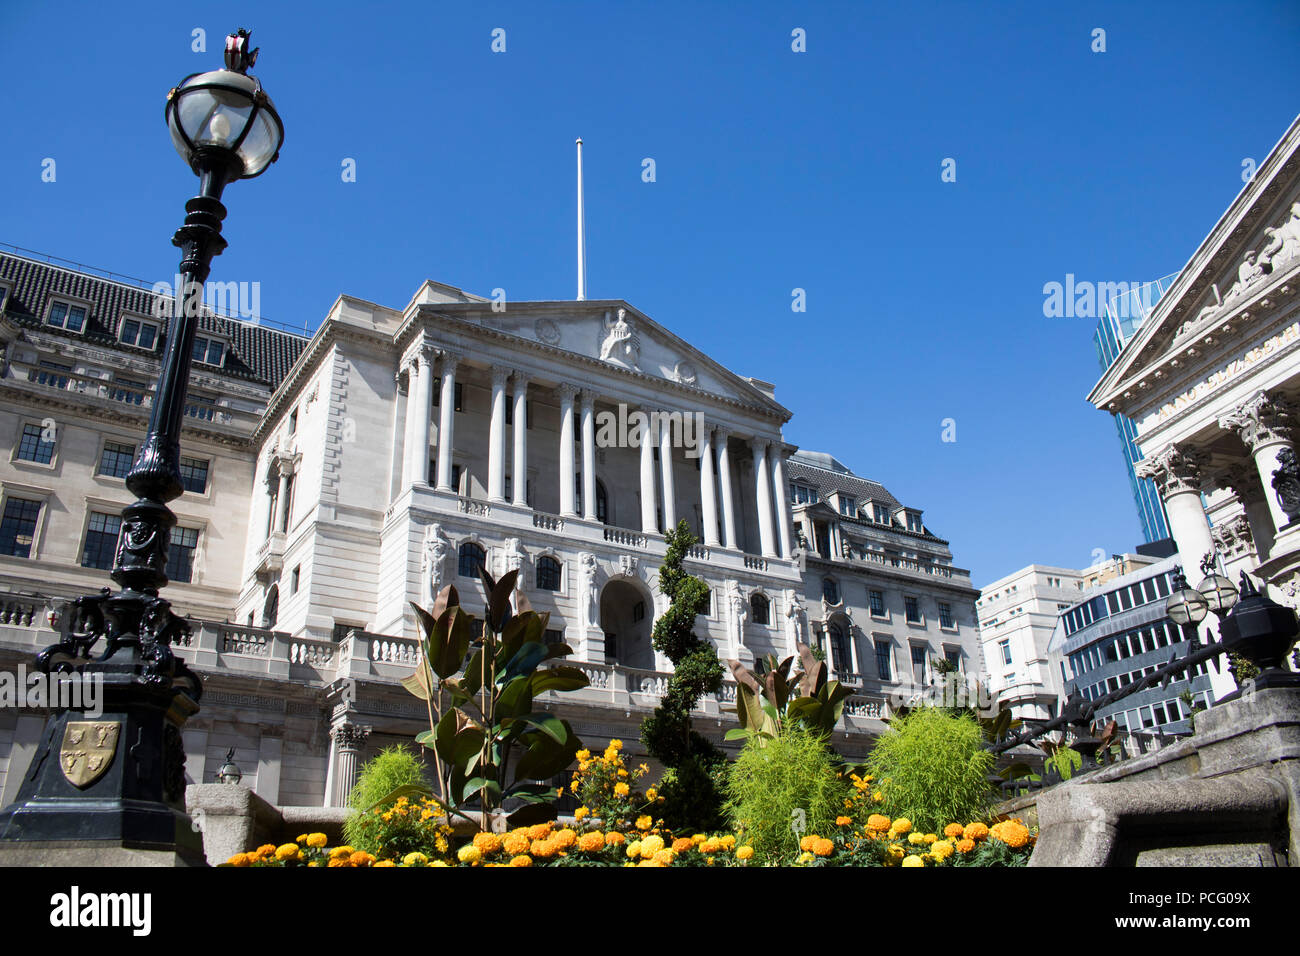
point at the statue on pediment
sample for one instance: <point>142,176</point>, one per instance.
<point>1248,273</point>
<point>621,344</point>
<point>1283,241</point>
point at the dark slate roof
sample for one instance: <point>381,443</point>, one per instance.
<point>827,474</point>
<point>257,352</point>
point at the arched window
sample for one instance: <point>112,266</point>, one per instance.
<point>271,609</point>
<point>759,609</point>
<point>841,660</point>
<point>548,573</point>
<point>830,590</point>
<point>472,559</point>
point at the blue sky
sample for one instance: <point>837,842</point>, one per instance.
<point>775,170</point>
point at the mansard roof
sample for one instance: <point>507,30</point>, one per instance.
<point>258,353</point>
<point>1192,310</point>
<point>828,475</point>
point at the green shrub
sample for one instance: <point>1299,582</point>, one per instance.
<point>391,768</point>
<point>932,768</point>
<point>784,788</point>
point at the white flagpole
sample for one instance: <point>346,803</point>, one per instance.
<point>582,239</point>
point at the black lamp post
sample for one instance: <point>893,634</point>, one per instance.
<point>117,779</point>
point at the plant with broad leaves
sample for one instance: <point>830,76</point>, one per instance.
<point>764,704</point>
<point>495,743</point>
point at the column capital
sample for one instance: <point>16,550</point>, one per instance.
<point>721,435</point>
<point>450,359</point>
<point>566,391</point>
<point>760,444</point>
<point>1263,419</point>
<point>426,353</point>
<point>1174,469</point>
<point>1241,477</point>
<point>500,373</point>
<point>588,399</point>
<point>519,380</point>
<point>349,735</point>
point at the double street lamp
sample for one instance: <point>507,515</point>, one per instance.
<point>118,780</point>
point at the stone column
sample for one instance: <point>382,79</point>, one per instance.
<point>421,397</point>
<point>1266,425</point>
<point>723,437</point>
<point>1177,473</point>
<point>497,436</point>
<point>281,520</point>
<point>781,501</point>
<point>348,738</point>
<point>566,393</point>
<point>589,456</point>
<point>763,497</point>
<point>447,420</point>
<point>648,516</point>
<point>407,373</point>
<point>520,461</point>
<point>666,473</point>
<point>708,489</point>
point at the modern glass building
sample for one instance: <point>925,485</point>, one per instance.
<point>1120,633</point>
<point>1120,320</point>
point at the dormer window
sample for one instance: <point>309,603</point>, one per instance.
<point>848,506</point>
<point>914,521</point>
<point>67,315</point>
<point>802,494</point>
<point>138,332</point>
<point>209,351</point>
<point>880,514</point>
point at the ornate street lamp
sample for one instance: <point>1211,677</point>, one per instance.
<point>1186,607</point>
<point>1262,631</point>
<point>229,772</point>
<point>117,781</point>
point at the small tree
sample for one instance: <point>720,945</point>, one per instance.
<point>691,786</point>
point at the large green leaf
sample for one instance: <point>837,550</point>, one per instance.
<point>544,757</point>
<point>532,814</point>
<point>559,679</point>
<point>418,683</point>
<point>472,682</point>
<point>548,724</point>
<point>516,699</point>
<point>525,660</point>
<point>748,709</point>
<point>499,609</point>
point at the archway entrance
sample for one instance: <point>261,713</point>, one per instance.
<point>625,617</point>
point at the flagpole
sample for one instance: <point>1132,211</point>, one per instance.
<point>582,239</point>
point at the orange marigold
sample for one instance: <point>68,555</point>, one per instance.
<point>543,849</point>
<point>591,842</point>
<point>878,822</point>
<point>682,844</point>
<point>806,844</point>
<point>522,860</point>
<point>360,858</point>
<point>563,839</point>
<point>488,842</point>
<point>539,832</point>
<point>515,843</point>
<point>975,831</point>
<point>965,845</point>
<point>614,838</point>
<point>1011,833</point>
<point>823,847</point>
<point>953,830</point>
<point>843,821</point>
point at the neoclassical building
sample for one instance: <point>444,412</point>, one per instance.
<point>1212,379</point>
<point>332,479</point>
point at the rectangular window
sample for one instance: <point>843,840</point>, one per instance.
<point>877,603</point>
<point>201,407</point>
<point>296,579</point>
<point>883,661</point>
<point>65,315</point>
<point>881,514</point>
<point>293,422</point>
<point>208,351</point>
<point>33,446</point>
<point>802,494</point>
<point>455,479</point>
<point>1005,647</point>
<point>194,475</point>
<point>101,541</point>
<point>914,522</point>
<point>918,664</point>
<point>913,608</point>
<point>848,505</point>
<point>18,527</point>
<point>953,658</point>
<point>553,636</point>
<point>945,615</point>
<point>437,394</point>
<point>116,459</point>
<point>139,333</point>
<point>180,554</point>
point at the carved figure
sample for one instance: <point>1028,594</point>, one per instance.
<point>436,548</point>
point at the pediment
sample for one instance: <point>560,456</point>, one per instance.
<point>1244,264</point>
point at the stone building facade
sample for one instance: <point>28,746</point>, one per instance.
<point>335,478</point>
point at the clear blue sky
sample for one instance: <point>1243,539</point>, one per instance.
<point>775,170</point>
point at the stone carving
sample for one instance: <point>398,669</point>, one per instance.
<point>1283,241</point>
<point>685,373</point>
<point>1173,469</point>
<point>1232,538</point>
<point>627,565</point>
<point>796,622</point>
<point>433,556</point>
<point>1263,420</point>
<point>1286,483</point>
<point>738,614</point>
<point>621,344</point>
<point>590,593</point>
<point>547,331</point>
<point>1248,273</point>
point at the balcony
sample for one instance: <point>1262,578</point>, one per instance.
<point>270,556</point>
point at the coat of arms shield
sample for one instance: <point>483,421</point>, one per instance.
<point>88,749</point>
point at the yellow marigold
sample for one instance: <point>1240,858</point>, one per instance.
<point>902,825</point>
<point>711,845</point>
<point>913,861</point>
<point>728,842</point>
<point>622,772</point>
<point>965,845</point>
<point>941,850</point>
<point>574,786</point>
<point>806,843</point>
<point>539,831</point>
<point>652,793</point>
<point>360,858</point>
<point>896,851</point>
<point>744,852</point>
<point>591,842</point>
<point>699,838</point>
<point>385,863</point>
<point>663,857</point>
<point>515,843</point>
<point>1013,834</point>
<point>521,860</point>
<point>878,822</point>
<point>339,861</point>
<point>341,852</point>
<point>651,862</point>
<point>301,838</point>
<point>614,838</point>
<point>543,849</point>
<point>414,859</point>
<point>563,839</point>
<point>583,754</point>
<point>488,843</point>
<point>877,797</point>
<point>975,831</point>
<point>621,789</point>
<point>823,847</point>
<point>930,839</point>
<point>581,813</point>
<point>614,745</point>
<point>843,821</point>
<point>916,839</point>
<point>316,839</point>
<point>644,822</point>
<point>240,859</point>
<point>651,845</point>
<point>469,853</point>
<point>288,851</point>
<point>634,849</point>
<point>806,858</point>
<point>953,830</point>
<point>268,849</point>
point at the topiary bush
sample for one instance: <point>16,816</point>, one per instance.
<point>391,768</point>
<point>782,789</point>
<point>931,767</point>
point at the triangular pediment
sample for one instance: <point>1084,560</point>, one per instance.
<point>1251,254</point>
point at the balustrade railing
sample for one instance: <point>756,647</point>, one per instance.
<point>248,641</point>
<point>547,522</point>
<point>471,507</point>
<point>755,564</point>
<point>395,651</point>
<point>623,536</point>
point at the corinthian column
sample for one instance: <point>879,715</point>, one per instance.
<point>666,471</point>
<point>588,456</point>
<point>763,497</point>
<point>447,420</point>
<point>723,437</point>
<point>708,493</point>
<point>648,516</point>
<point>347,739</point>
<point>520,481</point>
<point>566,393</point>
<point>781,501</point>
<point>1242,479</point>
<point>497,436</point>
<point>1266,425</point>
<point>1177,474</point>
